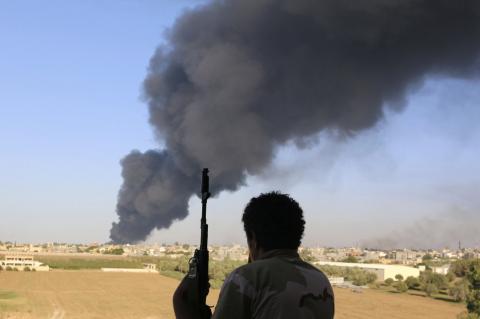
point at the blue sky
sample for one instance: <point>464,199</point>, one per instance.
<point>71,108</point>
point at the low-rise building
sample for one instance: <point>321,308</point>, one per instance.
<point>22,262</point>
<point>382,271</point>
<point>147,269</point>
<point>443,270</point>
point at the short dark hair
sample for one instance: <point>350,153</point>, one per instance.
<point>276,221</point>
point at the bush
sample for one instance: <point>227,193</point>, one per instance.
<point>473,302</point>
<point>450,276</point>
<point>399,277</point>
<point>462,268</point>
<point>412,282</point>
<point>1,268</point>
<point>15,269</point>
<point>360,281</point>
<point>76,263</point>
<point>114,251</point>
<point>350,259</point>
<point>9,268</point>
<point>430,289</point>
<point>401,287</point>
<point>466,315</point>
<point>460,290</point>
<point>376,285</point>
<point>26,268</point>
<point>389,281</point>
<point>371,277</point>
<point>428,277</point>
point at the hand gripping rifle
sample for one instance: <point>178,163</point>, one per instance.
<point>199,262</point>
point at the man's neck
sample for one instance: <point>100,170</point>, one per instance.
<point>276,253</point>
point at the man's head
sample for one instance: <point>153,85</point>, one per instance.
<point>273,221</point>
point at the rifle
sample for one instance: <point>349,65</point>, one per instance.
<point>199,262</point>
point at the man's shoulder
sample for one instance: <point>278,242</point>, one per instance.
<point>266,271</point>
<point>273,286</point>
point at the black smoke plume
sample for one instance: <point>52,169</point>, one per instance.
<point>239,78</point>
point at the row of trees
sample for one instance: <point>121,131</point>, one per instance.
<point>114,251</point>
<point>9,268</point>
<point>429,282</point>
<point>462,283</point>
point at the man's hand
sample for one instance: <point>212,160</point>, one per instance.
<point>184,299</point>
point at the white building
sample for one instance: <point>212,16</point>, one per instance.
<point>443,270</point>
<point>22,262</point>
<point>335,281</point>
<point>382,271</point>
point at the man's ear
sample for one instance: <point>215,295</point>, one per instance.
<point>252,241</point>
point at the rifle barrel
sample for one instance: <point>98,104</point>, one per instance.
<point>203,222</point>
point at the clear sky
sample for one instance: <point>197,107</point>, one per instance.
<point>71,108</point>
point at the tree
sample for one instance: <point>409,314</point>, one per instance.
<point>427,257</point>
<point>389,281</point>
<point>461,268</point>
<point>460,290</point>
<point>412,282</point>
<point>399,277</point>
<point>473,299</point>
<point>450,276</point>
<point>473,302</point>
<point>430,289</point>
<point>401,287</point>
<point>26,268</point>
<point>429,277</point>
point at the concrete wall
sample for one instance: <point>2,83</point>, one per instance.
<point>382,271</point>
<point>394,270</point>
<point>134,270</point>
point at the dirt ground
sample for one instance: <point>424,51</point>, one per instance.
<point>94,294</point>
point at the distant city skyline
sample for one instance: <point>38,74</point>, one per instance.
<point>71,107</point>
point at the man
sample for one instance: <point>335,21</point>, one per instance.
<point>276,283</point>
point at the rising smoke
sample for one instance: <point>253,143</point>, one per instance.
<point>439,231</point>
<point>239,78</point>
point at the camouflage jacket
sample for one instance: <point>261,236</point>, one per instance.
<point>280,285</point>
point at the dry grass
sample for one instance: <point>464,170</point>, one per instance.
<point>93,294</point>
<point>379,304</point>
